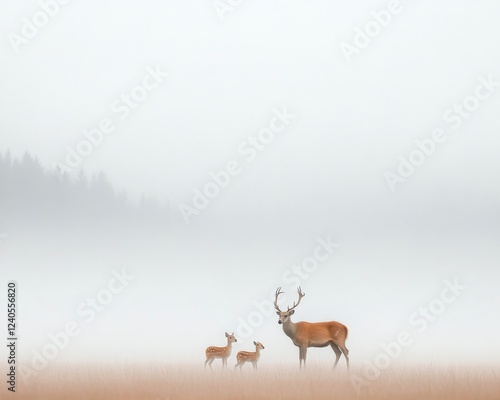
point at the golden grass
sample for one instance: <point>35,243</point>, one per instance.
<point>162,382</point>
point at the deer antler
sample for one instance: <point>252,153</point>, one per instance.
<point>299,291</point>
<point>278,292</point>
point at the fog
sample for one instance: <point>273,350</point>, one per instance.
<point>237,140</point>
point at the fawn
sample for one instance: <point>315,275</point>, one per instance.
<point>253,356</point>
<point>214,352</point>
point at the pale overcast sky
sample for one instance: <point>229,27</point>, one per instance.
<point>182,91</point>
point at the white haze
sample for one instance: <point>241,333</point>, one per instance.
<point>323,175</point>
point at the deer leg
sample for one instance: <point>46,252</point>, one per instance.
<point>302,355</point>
<point>210,361</point>
<point>254,365</point>
<point>346,353</point>
<point>338,353</point>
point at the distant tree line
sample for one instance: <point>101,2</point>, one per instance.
<point>30,194</point>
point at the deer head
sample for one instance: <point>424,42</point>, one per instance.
<point>284,316</point>
<point>258,345</point>
<point>230,338</point>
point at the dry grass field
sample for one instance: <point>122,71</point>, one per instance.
<point>157,382</point>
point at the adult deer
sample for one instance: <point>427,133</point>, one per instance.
<point>249,356</point>
<point>214,352</point>
<point>312,334</point>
